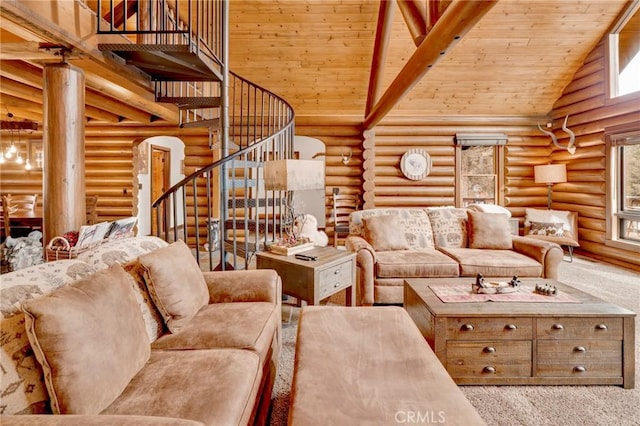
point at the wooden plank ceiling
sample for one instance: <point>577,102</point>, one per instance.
<point>317,54</point>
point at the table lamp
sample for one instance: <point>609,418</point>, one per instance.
<point>550,174</point>
<point>293,175</point>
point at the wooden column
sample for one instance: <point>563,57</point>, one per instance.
<point>63,142</point>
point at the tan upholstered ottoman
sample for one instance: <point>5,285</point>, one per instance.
<point>370,365</point>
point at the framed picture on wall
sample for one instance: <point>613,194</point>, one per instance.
<point>35,154</point>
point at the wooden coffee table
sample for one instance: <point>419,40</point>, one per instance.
<point>526,343</point>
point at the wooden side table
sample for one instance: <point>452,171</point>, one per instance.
<point>314,280</point>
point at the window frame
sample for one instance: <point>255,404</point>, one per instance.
<point>616,137</point>
<point>611,55</point>
<point>498,167</point>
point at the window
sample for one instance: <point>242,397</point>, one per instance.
<point>624,52</point>
<point>479,168</point>
<point>623,162</point>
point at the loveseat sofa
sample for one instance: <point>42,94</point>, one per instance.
<point>132,332</point>
<point>392,244</point>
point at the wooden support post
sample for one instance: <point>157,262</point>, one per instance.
<point>63,142</point>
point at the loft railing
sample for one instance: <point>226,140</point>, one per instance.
<point>227,197</point>
<point>195,23</point>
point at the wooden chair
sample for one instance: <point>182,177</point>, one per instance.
<point>5,220</point>
<point>569,237</point>
<point>91,209</point>
<point>343,205</point>
<point>22,202</point>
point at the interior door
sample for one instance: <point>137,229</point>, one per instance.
<point>160,178</point>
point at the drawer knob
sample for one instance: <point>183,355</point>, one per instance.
<point>488,349</point>
<point>579,369</point>
<point>336,285</point>
<point>510,327</point>
<point>557,327</point>
<point>489,370</point>
<point>601,327</point>
<point>336,272</point>
<point>466,327</point>
<point>581,349</point>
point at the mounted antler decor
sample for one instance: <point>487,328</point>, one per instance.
<point>572,137</point>
<point>346,158</point>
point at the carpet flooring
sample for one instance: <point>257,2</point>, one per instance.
<point>525,405</point>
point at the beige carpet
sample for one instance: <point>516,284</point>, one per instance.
<point>527,405</point>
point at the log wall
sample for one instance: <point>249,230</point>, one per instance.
<point>590,111</point>
<point>386,185</point>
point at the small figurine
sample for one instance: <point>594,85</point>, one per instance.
<point>480,281</point>
<point>515,281</point>
<point>546,290</point>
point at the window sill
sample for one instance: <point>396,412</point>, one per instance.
<point>623,244</point>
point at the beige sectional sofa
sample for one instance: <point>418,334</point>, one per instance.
<point>397,243</point>
<point>132,332</point>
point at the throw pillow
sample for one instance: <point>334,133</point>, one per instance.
<point>489,231</point>
<point>449,226</point>
<point>90,339</point>
<point>385,233</point>
<point>552,229</point>
<point>175,283</point>
<point>548,216</point>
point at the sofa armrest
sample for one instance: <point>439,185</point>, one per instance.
<point>365,273</point>
<point>254,285</point>
<point>547,253</point>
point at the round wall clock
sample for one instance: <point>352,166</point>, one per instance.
<point>415,164</point>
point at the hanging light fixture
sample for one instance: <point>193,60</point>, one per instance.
<point>14,151</point>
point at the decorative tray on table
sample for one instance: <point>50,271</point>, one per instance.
<point>495,287</point>
<point>287,249</point>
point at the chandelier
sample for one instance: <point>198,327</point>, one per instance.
<point>14,152</point>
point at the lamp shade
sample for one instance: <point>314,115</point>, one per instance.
<point>293,175</point>
<point>550,173</point>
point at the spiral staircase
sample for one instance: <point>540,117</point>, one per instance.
<point>223,207</point>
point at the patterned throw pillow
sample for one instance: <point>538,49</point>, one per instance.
<point>550,229</point>
<point>449,227</point>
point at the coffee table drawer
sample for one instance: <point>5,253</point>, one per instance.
<point>489,328</point>
<point>579,358</point>
<point>489,359</point>
<point>335,278</point>
<point>572,328</point>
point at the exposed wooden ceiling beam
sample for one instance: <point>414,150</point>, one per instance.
<point>457,20</point>
<point>72,24</point>
<point>414,13</point>
<point>383,34</point>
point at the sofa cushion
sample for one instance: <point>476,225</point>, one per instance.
<point>175,283</point>
<point>215,387</point>
<point>493,263</point>
<point>153,321</point>
<point>489,230</point>
<point>415,225</point>
<point>22,385</point>
<point>414,263</point>
<point>90,339</point>
<point>385,232</point>
<point>238,325</point>
<point>449,226</point>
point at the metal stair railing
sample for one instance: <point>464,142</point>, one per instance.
<point>261,128</point>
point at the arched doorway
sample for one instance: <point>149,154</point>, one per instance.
<point>159,165</point>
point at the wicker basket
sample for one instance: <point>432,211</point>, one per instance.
<point>55,251</point>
